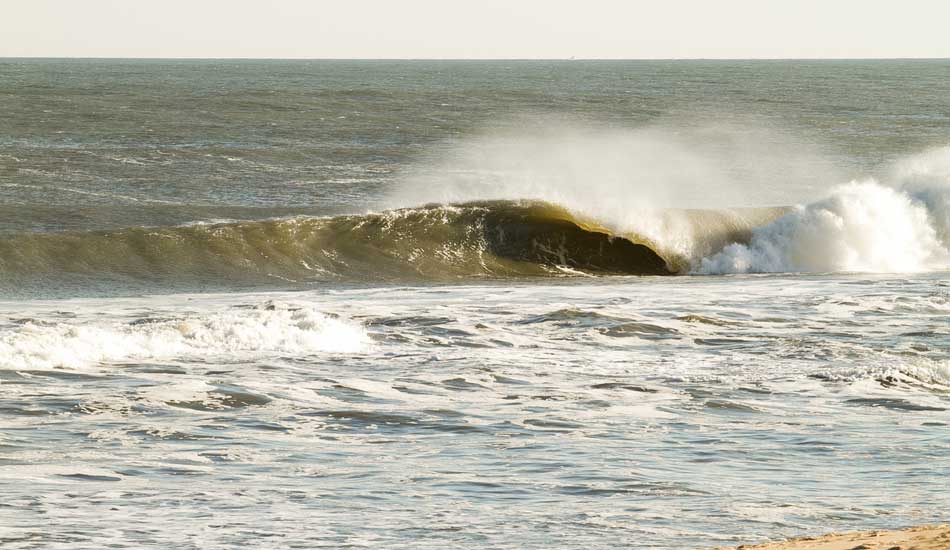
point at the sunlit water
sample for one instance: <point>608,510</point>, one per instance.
<point>654,413</point>
<point>174,375</point>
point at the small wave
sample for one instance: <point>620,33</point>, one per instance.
<point>921,372</point>
<point>268,328</point>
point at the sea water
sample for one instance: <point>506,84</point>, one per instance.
<point>461,304</point>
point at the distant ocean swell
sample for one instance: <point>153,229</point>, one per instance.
<point>859,227</point>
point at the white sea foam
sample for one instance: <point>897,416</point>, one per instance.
<point>864,226</point>
<point>929,372</point>
<point>861,226</point>
<point>918,371</point>
<point>266,329</point>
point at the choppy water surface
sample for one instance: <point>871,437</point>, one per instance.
<point>662,413</point>
<point>393,304</point>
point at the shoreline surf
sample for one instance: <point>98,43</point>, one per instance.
<point>924,537</point>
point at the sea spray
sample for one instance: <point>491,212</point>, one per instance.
<point>926,177</point>
<point>644,181</point>
<point>862,226</point>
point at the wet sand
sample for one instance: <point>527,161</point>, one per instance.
<point>935,537</point>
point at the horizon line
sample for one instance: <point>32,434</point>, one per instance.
<point>200,58</point>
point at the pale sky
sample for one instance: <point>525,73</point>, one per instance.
<point>483,29</point>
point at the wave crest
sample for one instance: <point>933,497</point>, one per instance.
<point>434,242</point>
<point>861,226</point>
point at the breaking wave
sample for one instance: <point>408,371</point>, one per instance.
<point>435,242</point>
<point>260,329</point>
<point>860,227</point>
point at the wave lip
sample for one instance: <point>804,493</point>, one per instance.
<point>268,328</point>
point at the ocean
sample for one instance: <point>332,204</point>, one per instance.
<point>447,304</point>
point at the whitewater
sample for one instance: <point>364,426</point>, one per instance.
<point>862,226</point>
<point>322,304</point>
